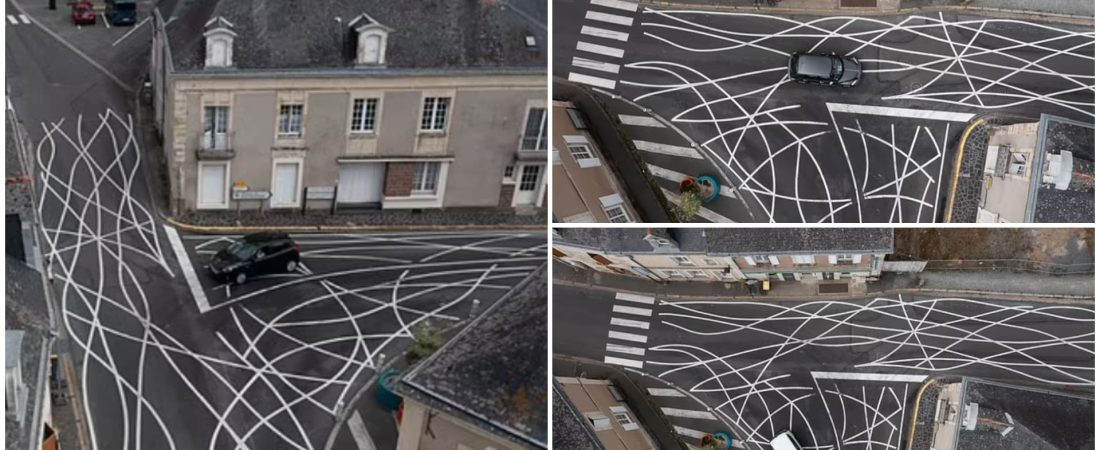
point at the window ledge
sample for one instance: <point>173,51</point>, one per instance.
<point>363,135</point>
<point>432,133</point>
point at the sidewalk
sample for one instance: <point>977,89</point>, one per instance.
<point>449,217</point>
<point>368,426</point>
<point>1071,11</point>
<point>1011,284</point>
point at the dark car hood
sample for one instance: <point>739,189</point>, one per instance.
<point>852,70</point>
<point>223,259</point>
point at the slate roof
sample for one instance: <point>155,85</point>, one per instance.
<point>494,373</point>
<point>795,240</point>
<point>291,34</point>
<point>28,317</point>
<point>632,240</point>
<point>725,241</point>
<point>570,430</point>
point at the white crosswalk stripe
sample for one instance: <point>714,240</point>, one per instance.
<point>625,349</point>
<point>24,18</point>
<point>632,310</point>
<point>634,298</point>
<point>688,413</point>
<point>591,80</point>
<point>665,149</point>
<point>664,392</point>
<point>599,49</point>
<point>629,323</point>
<point>627,336</point>
<point>703,212</point>
<point>592,64</point>
<point>694,434</point>
<point>604,33</point>
<point>13,20</point>
<point>617,4</point>
<point>623,362</point>
<point>640,121</point>
<point>609,18</point>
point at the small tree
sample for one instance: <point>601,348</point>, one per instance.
<point>426,340</point>
<point>690,203</point>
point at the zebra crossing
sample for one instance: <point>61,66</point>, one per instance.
<point>689,418</point>
<point>606,29</point>
<point>19,19</point>
<point>630,315</point>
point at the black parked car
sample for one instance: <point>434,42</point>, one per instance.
<point>827,70</point>
<point>255,254</point>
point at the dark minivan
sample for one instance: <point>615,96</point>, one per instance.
<point>825,69</point>
<point>255,254</point>
<point>121,12</point>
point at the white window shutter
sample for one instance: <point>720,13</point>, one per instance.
<point>856,259</point>
<point>832,259</point>
<point>749,261</point>
<point>774,260</point>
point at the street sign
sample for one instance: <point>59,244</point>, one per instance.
<point>240,194</point>
<point>320,192</point>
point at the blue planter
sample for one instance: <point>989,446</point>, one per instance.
<point>385,395</point>
<point>714,183</point>
<point>725,436</point>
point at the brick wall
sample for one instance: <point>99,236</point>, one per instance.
<point>399,179</point>
<point>506,193</point>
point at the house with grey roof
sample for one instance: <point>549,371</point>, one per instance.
<point>728,254</point>
<point>486,387</point>
<point>361,104</point>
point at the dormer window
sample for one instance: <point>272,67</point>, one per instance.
<point>219,42</point>
<point>371,38</point>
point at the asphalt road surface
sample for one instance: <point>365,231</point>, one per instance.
<point>879,152</point>
<point>270,364</point>
<point>839,374</point>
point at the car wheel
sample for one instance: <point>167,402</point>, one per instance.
<point>291,265</point>
<point>240,278</point>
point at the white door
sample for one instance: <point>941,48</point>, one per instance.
<point>212,185</point>
<point>361,183</point>
<point>286,185</point>
<point>528,189</point>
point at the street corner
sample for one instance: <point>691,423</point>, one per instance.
<point>106,35</point>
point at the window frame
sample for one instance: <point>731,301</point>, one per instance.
<point>301,113</point>
<point>375,108</point>
<point>621,212</point>
<point>586,151</point>
<point>541,139</point>
<point>420,179</point>
<point>434,114</point>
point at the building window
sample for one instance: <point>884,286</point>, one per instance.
<point>580,151</point>
<point>290,120</point>
<point>844,259</point>
<point>698,273</point>
<point>534,134</point>
<point>510,173</point>
<point>616,214</point>
<point>529,180</point>
<point>682,260</point>
<point>623,419</point>
<point>435,114</point>
<point>761,260</point>
<point>803,260</point>
<point>425,178</point>
<point>712,262</point>
<point>215,128</point>
<point>363,112</point>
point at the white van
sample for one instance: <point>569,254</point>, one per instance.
<point>785,441</point>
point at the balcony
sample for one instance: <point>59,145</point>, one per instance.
<point>532,147</point>
<point>215,146</point>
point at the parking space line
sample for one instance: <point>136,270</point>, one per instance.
<point>688,413</point>
<point>632,310</point>
<point>625,349</point>
<point>132,30</point>
<point>869,376</point>
<point>627,336</point>
<point>604,33</point>
<point>617,4</point>
<point>188,270</point>
<point>665,149</point>
<point>623,362</point>
<point>609,18</point>
<point>640,121</point>
<point>594,81</point>
<point>629,323</point>
<point>665,392</point>
<point>899,112</point>
<point>600,49</point>
<point>634,298</point>
<point>592,64</point>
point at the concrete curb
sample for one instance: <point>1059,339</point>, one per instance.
<point>220,229</point>
<point>1011,296</point>
<point>916,409</point>
<point>947,211</point>
<point>1006,13</point>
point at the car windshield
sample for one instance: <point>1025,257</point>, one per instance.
<point>838,68</point>
<point>241,250</point>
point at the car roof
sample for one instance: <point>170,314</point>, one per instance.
<point>819,66</point>
<point>784,441</point>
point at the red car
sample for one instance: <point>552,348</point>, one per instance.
<point>83,13</point>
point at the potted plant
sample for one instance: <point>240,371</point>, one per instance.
<point>716,441</point>
<point>426,340</point>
